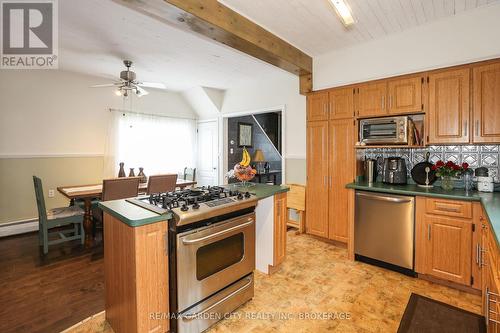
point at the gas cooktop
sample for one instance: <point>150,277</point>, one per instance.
<point>191,205</point>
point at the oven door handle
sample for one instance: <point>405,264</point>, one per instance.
<point>195,315</point>
<point>201,239</point>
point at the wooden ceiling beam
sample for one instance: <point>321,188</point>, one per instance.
<point>220,23</point>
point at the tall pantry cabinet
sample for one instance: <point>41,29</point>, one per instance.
<point>330,162</point>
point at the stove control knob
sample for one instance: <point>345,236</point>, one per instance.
<point>196,205</point>
<point>247,195</point>
<point>184,208</point>
<point>240,196</point>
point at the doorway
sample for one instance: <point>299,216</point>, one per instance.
<point>208,153</point>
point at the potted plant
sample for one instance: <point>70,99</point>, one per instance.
<point>448,172</point>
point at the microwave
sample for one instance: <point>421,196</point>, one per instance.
<point>387,130</point>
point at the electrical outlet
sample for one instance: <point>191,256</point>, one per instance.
<point>231,151</point>
<point>52,193</point>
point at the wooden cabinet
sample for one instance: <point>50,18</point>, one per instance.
<point>317,106</point>
<point>341,172</point>
<point>280,214</point>
<point>136,276</point>
<point>448,240</point>
<point>341,103</point>
<point>405,95</point>
<point>491,282</point>
<point>372,100</point>
<point>317,179</point>
<point>486,103</point>
<point>448,112</point>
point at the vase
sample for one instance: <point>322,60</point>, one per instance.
<point>121,173</point>
<point>131,173</point>
<point>141,174</point>
<point>447,183</point>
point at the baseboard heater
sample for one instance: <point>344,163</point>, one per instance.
<point>18,227</point>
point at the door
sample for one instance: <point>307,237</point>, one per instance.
<point>448,114</point>
<point>317,179</point>
<point>486,92</point>
<point>280,211</point>
<point>405,95</point>
<point>372,100</point>
<point>208,154</point>
<point>317,106</point>
<point>341,157</point>
<point>341,103</point>
<point>448,249</point>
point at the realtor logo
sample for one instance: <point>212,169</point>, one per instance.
<point>29,34</point>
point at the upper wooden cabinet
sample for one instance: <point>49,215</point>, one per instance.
<point>486,95</point>
<point>317,106</point>
<point>372,100</point>
<point>448,112</point>
<point>405,95</point>
<point>341,103</point>
<point>317,178</point>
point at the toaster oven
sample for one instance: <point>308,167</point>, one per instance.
<point>387,130</point>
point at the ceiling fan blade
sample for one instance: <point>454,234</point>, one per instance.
<point>141,92</point>
<point>152,85</point>
<point>106,85</point>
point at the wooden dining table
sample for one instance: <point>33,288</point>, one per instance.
<point>87,193</point>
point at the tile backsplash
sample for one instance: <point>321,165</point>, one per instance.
<point>475,155</point>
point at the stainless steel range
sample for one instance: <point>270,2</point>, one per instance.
<point>211,253</point>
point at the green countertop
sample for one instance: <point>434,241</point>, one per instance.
<point>131,214</point>
<point>490,201</point>
<point>136,216</point>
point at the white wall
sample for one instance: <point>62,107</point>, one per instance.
<point>54,112</point>
<point>276,89</point>
<point>466,37</point>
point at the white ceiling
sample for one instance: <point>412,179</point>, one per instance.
<point>313,27</point>
<point>96,35</point>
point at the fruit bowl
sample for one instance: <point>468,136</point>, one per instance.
<point>243,171</point>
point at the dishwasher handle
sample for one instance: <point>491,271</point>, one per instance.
<point>383,198</point>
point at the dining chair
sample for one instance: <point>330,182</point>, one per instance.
<point>161,183</point>
<point>120,188</point>
<point>57,217</point>
<point>115,189</point>
<point>296,200</point>
<point>190,174</point>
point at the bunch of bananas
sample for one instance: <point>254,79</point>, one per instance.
<point>245,161</point>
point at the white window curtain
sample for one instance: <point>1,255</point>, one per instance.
<point>156,143</point>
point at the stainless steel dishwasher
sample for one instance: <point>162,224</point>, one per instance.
<point>384,230</point>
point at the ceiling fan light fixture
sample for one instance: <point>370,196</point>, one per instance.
<point>343,11</point>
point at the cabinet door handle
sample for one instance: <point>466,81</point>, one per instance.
<point>325,108</point>
<point>477,128</point>
<point>465,128</point>
<point>330,181</point>
<point>383,102</point>
<point>478,254</point>
<point>390,102</point>
<point>429,232</point>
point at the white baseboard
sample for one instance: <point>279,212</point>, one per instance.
<point>18,227</point>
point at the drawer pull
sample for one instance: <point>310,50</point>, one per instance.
<point>448,209</point>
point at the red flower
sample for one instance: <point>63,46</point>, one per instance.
<point>450,164</point>
<point>465,165</point>
<point>456,167</point>
<point>439,163</point>
<point>434,167</point>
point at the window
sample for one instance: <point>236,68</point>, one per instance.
<point>159,144</point>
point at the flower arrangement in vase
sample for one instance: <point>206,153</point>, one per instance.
<point>448,171</point>
<point>242,170</point>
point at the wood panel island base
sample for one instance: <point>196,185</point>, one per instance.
<point>147,262</point>
<point>456,240</point>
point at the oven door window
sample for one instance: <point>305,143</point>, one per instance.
<point>380,131</point>
<point>216,256</point>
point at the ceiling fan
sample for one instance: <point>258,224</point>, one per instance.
<point>128,83</point>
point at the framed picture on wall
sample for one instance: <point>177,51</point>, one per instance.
<point>245,134</point>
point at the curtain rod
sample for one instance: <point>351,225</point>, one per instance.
<point>149,114</point>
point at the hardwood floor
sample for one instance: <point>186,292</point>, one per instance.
<point>49,293</point>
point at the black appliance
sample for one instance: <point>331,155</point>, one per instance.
<point>394,171</point>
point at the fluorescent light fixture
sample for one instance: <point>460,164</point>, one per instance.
<point>343,11</point>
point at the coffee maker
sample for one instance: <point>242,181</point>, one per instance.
<point>394,171</point>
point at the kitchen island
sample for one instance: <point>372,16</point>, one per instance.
<point>139,269</point>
